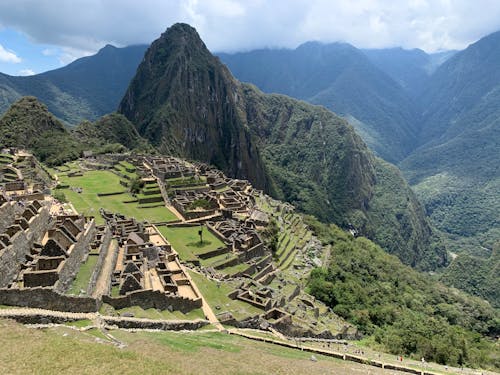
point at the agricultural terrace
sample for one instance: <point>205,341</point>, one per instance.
<point>84,192</point>
<point>186,241</point>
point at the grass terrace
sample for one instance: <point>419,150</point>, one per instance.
<point>82,279</point>
<point>216,296</point>
<point>88,201</point>
<point>186,241</point>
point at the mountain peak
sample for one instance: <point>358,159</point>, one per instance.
<point>183,34</point>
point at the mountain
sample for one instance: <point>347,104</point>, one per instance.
<point>29,124</point>
<point>409,68</point>
<point>83,90</point>
<point>344,80</point>
<point>186,102</point>
<point>110,129</point>
<point>456,169</point>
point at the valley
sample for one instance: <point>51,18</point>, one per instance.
<point>207,216</point>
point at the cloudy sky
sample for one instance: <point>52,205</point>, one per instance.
<point>39,35</point>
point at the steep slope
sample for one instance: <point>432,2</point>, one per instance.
<point>186,102</point>
<point>28,124</point>
<point>110,129</point>
<point>341,78</point>
<point>406,311</point>
<point>477,275</point>
<point>456,170</point>
<point>84,90</point>
<point>409,68</point>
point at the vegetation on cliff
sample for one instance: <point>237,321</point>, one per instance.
<point>402,310</point>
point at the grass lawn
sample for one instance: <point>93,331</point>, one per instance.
<point>64,350</point>
<point>217,296</point>
<point>82,279</point>
<point>88,202</point>
<point>186,241</point>
<point>80,323</point>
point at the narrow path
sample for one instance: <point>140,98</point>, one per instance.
<point>101,285</point>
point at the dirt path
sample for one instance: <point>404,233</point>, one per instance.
<point>101,286</point>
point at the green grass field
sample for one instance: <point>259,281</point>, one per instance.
<point>88,203</point>
<point>186,241</point>
<point>217,296</point>
<point>82,279</point>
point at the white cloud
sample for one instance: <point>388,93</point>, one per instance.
<point>26,72</point>
<point>229,25</point>
<point>49,52</point>
<point>8,56</point>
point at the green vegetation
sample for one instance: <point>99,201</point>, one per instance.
<point>99,182</point>
<point>192,180</point>
<point>216,293</point>
<point>80,323</point>
<point>82,279</point>
<point>112,129</point>
<point>479,276</point>
<point>186,241</point>
<point>404,311</point>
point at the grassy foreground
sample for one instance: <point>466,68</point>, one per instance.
<point>69,351</point>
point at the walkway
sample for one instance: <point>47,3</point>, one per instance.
<point>102,283</point>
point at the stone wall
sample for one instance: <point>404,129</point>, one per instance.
<point>103,253</point>
<point>47,298</point>
<point>166,325</point>
<point>254,252</point>
<point>75,258</point>
<point>148,299</point>
<point>39,196</point>
<point>214,253</point>
<point>7,215</point>
<point>13,255</point>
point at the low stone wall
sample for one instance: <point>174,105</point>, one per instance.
<point>294,294</point>
<point>29,197</point>
<point>264,271</point>
<point>214,253</point>
<point>165,325</point>
<point>148,299</point>
<point>75,259</point>
<point>47,298</point>
<point>40,318</point>
<point>150,200</point>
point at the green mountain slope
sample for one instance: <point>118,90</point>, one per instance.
<point>404,311</point>
<point>110,129</point>
<point>411,69</point>
<point>83,90</point>
<point>341,78</point>
<point>187,103</point>
<point>456,171</point>
<point>28,124</point>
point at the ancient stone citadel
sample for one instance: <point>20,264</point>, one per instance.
<point>54,257</point>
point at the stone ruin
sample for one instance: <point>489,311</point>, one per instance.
<point>147,270</point>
